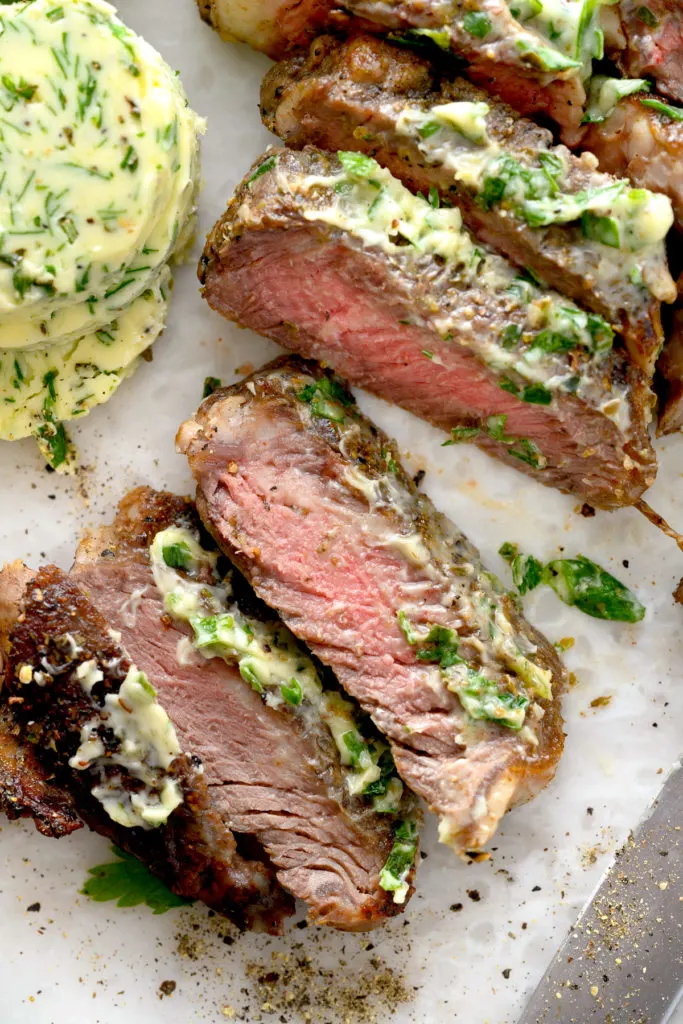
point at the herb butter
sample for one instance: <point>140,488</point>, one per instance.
<point>268,657</point>
<point>98,183</point>
<point>146,746</point>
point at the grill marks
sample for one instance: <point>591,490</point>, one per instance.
<point>273,485</point>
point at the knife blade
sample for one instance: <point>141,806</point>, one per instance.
<point>622,962</point>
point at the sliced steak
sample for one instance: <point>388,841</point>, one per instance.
<point>273,777</point>
<point>310,501</point>
<point>370,96</point>
<point>510,58</point>
<point>646,41</point>
<point>315,256</point>
<point>54,645</point>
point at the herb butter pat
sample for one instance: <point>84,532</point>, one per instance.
<point>97,194</point>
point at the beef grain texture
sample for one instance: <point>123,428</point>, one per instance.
<point>271,265</point>
<point>351,96</point>
<point>275,782</point>
<point>194,853</point>
<point>329,530</point>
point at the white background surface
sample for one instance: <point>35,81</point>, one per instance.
<point>77,961</point>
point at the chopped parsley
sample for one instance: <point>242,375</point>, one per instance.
<point>327,399</point>
<point>576,581</point>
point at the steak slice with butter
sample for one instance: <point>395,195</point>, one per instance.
<point>335,259</point>
<point>92,721</point>
<point>272,774</point>
<point>309,500</point>
<point>517,191</point>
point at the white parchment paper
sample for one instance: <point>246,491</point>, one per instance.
<point>475,939</point>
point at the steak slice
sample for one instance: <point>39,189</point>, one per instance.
<point>646,41</point>
<point>639,143</point>
<point>509,57</point>
<point>273,777</point>
<point>310,501</point>
<point>26,790</point>
<point>444,328</point>
<point>390,104</point>
<point>59,634</point>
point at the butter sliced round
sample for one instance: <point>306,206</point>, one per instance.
<point>42,387</point>
<point>99,168</point>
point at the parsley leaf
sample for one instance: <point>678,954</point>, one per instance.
<point>131,884</point>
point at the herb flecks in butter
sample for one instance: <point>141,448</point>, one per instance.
<point>268,658</point>
<point>145,748</point>
<point>504,702</point>
<point>98,190</point>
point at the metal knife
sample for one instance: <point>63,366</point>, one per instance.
<point>622,962</point>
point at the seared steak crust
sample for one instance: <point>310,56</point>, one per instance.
<point>26,789</point>
<point>351,96</point>
<point>272,265</point>
<point>318,514</point>
<point>194,853</point>
<point>280,28</point>
<point>271,778</point>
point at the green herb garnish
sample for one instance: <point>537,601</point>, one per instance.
<point>576,581</point>
<point>292,692</point>
<point>327,399</point>
<point>600,229</point>
<point>393,876</point>
<point>178,556</point>
<point>211,384</point>
<point>645,15</point>
<point>131,884</point>
<point>357,164</point>
<point>266,166</point>
<point>580,582</point>
<point>675,113</point>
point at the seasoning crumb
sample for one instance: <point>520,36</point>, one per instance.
<point>601,702</point>
<point>295,984</point>
<point>455,906</point>
<point>506,973</point>
<point>34,908</point>
<point>167,988</point>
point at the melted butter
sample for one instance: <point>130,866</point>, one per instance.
<point>147,746</point>
<point>267,655</point>
<point>366,201</point>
